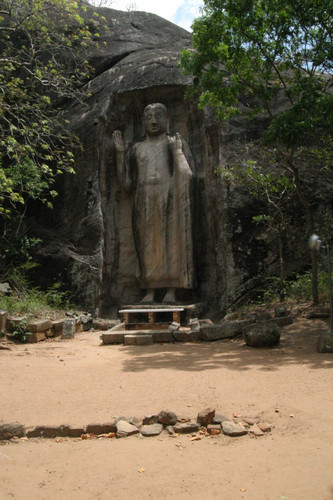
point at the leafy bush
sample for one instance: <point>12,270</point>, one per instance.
<point>20,333</point>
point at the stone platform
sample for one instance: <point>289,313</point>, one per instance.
<point>146,324</point>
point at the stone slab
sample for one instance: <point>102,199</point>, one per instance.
<point>125,429</point>
<point>151,430</point>
<point>162,336</point>
<point>39,326</point>
<point>3,321</point>
<point>69,329</point>
<point>138,339</point>
<point>112,337</point>
<point>186,428</point>
<point>33,338</point>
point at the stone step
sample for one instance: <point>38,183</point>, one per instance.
<point>138,339</point>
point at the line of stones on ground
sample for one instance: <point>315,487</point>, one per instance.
<point>207,423</point>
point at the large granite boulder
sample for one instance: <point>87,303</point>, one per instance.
<point>88,239</point>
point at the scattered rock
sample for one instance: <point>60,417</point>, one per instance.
<point>63,430</point>
<point>255,430</point>
<point>214,428</point>
<point>169,429</point>
<point>76,432</point>
<point>233,429</point>
<point>281,311</point>
<point>186,428</point>
<point>264,427</point>
<point>5,288</point>
<point>86,321</point>
<point>150,420</point>
<point>98,429</point>
<point>134,421</point>
<point>174,326</point>
<point>251,420</point>
<point>8,431</point>
<point>218,419</point>
<point>125,429</point>
<point>263,334</point>
<point>151,430</point>
<point>50,431</point>
<point>206,416</point>
<point>167,417</point>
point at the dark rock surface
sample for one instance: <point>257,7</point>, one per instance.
<point>263,334</point>
<point>87,240</point>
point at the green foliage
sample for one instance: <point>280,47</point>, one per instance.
<point>34,301</point>
<point>20,333</point>
<point>257,50</point>
<point>297,289</point>
<point>250,55</point>
<point>43,63</point>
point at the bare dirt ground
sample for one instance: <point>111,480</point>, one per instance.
<point>78,382</point>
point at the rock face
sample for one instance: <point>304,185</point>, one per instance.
<point>91,243</point>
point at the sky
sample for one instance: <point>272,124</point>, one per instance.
<point>181,12</point>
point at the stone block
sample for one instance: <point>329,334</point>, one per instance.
<point>3,321</point>
<point>101,428</point>
<point>37,431</point>
<point>33,338</point>
<point>218,419</point>
<point>39,326</point>
<point>173,326</point>
<point>13,322</point>
<point>162,336</point>
<point>206,416</point>
<point>63,430</point>
<point>219,331</point>
<point>233,429</point>
<point>76,432</point>
<point>8,431</point>
<point>138,339</point>
<point>182,336</point>
<point>112,337</point>
<point>69,328</point>
<point>149,420</point>
<point>50,431</point>
<point>186,428</point>
<point>167,417</point>
<point>125,429</point>
<point>151,430</point>
<point>57,327</point>
<point>325,343</point>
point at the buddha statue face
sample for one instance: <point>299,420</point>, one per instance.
<point>155,119</point>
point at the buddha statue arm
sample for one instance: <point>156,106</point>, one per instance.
<point>181,165</point>
<point>123,169</point>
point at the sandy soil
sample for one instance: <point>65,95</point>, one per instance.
<point>80,382</point>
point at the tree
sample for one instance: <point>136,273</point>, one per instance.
<point>249,52</point>
<point>274,192</point>
<point>43,65</point>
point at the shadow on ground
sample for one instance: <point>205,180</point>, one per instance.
<point>298,345</point>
